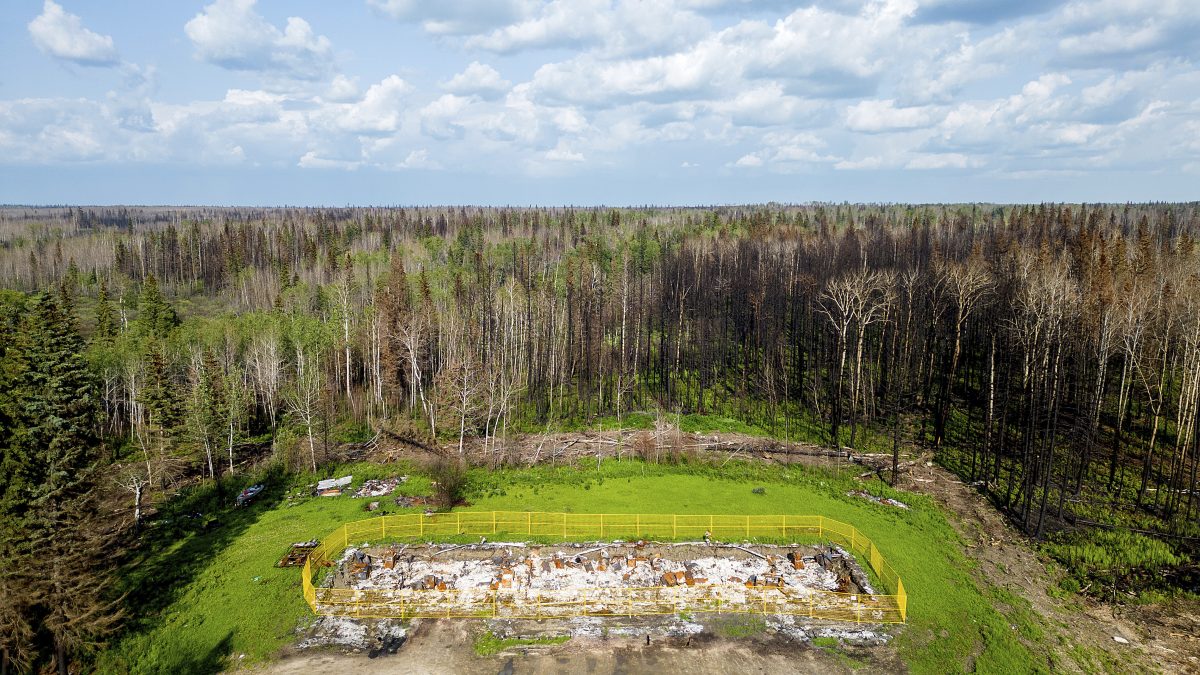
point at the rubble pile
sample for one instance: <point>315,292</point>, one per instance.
<point>878,500</point>
<point>603,574</point>
<point>379,488</point>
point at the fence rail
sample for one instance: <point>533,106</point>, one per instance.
<point>398,603</point>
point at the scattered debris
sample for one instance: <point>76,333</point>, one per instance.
<point>1120,640</point>
<point>878,500</point>
<point>329,485</point>
<point>246,496</point>
<point>407,502</point>
<point>297,554</point>
<point>372,506</point>
<point>379,488</point>
<point>377,638</point>
<point>439,577</point>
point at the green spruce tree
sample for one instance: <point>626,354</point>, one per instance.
<point>156,317</point>
<point>106,321</point>
<point>54,545</point>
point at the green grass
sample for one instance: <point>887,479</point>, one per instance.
<point>833,647</point>
<point>950,616</point>
<point>826,642</point>
<point>211,595</point>
<point>740,626</point>
<point>198,595</point>
<point>489,644</point>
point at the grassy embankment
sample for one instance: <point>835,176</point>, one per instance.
<point>212,595</point>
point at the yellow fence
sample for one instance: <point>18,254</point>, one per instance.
<point>379,603</point>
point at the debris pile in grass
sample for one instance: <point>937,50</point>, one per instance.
<point>379,488</point>
<point>603,575</point>
<point>878,500</point>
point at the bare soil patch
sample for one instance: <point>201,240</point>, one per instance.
<point>675,645</point>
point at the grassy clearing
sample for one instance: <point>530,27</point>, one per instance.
<point>204,590</point>
<point>213,594</point>
<point>489,644</point>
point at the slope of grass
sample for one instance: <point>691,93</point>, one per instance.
<point>231,600</point>
<point>204,591</point>
<point>950,617</point>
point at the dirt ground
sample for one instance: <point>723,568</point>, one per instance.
<point>445,646</point>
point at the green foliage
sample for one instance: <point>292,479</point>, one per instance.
<point>741,626</point>
<point>106,321</point>
<point>1110,558</point>
<point>156,317</point>
<point>50,458</point>
<point>489,644</point>
<point>825,642</point>
<point>450,481</point>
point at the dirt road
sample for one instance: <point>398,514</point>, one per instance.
<point>445,647</point>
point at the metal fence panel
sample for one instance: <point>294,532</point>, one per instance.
<point>376,603</point>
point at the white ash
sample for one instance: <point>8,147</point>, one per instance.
<point>332,630</point>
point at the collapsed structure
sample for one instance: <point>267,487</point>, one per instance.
<point>520,579</point>
<point>615,578</point>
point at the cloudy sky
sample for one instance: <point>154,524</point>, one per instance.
<point>598,101</point>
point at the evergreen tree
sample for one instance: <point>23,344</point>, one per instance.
<point>106,322</point>
<point>156,316</point>
<point>160,396</point>
<point>53,542</point>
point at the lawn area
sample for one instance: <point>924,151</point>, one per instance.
<point>225,599</point>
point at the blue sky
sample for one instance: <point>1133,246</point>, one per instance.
<point>598,101</point>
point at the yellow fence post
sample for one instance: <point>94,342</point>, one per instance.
<point>348,602</point>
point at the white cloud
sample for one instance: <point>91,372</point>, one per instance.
<point>563,154</point>
<point>418,159</point>
<point>230,34</point>
<point>380,110</point>
<point>866,163</point>
<point>765,86</point>
<point>827,53</point>
<point>63,36</point>
<point>478,79</point>
<point>454,17</point>
<point>616,26</point>
<point>310,160</point>
<point>443,117</point>
<point>342,89</point>
<point>949,160</point>
<point>874,116</point>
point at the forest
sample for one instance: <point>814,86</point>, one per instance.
<point>1048,354</point>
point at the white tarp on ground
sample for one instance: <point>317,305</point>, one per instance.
<point>331,483</point>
